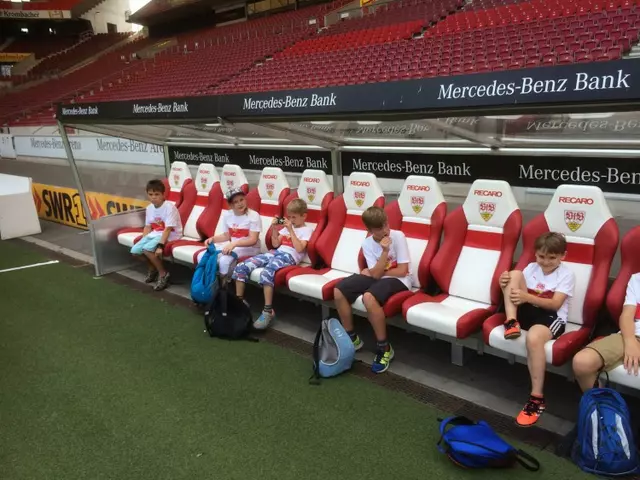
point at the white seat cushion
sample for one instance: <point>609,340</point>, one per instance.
<point>620,376</point>
<point>185,253</point>
<point>128,238</point>
<point>518,346</point>
<point>311,284</point>
<point>442,317</point>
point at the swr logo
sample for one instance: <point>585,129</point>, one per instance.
<point>270,177</point>
<point>357,183</point>
<point>312,180</point>
<point>229,174</point>
<point>419,188</point>
<point>487,193</point>
<point>576,200</point>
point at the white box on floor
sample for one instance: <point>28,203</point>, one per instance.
<point>18,214</point>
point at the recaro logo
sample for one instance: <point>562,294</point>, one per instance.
<point>419,188</point>
<point>358,183</point>
<point>204,172</point>
<point>311,180</point>
<point>576,200</point>
<point>270,177</point>
<point>229,174</point>
<point>177,169</point>
<point>487,193</point>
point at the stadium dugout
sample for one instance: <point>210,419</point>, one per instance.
<point>509,153</point>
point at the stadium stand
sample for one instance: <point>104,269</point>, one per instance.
<point>41,47</point>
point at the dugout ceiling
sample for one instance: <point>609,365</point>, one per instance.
<point>532,127</point>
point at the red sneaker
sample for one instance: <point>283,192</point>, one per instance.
<point>511,329</point>
<point>531,412</point>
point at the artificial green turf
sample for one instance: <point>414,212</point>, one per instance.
<point>101,382</point>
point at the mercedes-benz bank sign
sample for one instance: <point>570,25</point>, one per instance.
<point>585,82</point>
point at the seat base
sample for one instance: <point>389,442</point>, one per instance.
<point>319,284</point>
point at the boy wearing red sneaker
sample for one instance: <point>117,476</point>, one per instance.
<point>537,299</point>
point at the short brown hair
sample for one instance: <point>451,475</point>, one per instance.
<point>551,242</point>
<point>374,217</point>
<point>155,186</point>
<point>297,206</point>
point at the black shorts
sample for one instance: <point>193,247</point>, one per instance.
<point>530,315</point>
<point>355,285</point>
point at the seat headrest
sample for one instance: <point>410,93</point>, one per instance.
<point>419,197</point>
<point>179,174</point>
<point>205,179</point>
<point>232,177</point>
<point>489,203</point>
<point>361,191</point>
<point>313,187</point>
<point>577,211</point>
<point>272,182</point>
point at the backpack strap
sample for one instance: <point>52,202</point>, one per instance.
<point>315,377</point>
<point>527,461</point>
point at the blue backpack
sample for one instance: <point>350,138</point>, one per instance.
<point>333,351</point>
<point>204,281</point>
<point>472,444</point>
<point>604,444</point>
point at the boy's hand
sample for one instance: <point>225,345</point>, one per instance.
<point>228,248</point>
<point>366,272</point>
<point>208,241</point>
<point>274,221</point>
<point>504,279</point>
<point>385,243</point>
<point>517,296</point>
<point>632,357</point>
<point>287,224</point>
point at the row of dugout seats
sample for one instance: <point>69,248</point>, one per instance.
<point>455,280</point>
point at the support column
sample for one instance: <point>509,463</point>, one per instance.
<point>83,197</point>
<point>336,167</point>
<point>167,161</point>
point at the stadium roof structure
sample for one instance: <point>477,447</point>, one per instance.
<point>537,128</point>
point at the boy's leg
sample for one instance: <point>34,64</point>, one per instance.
<point>537,337</point>
<point>511,325</point>
<point>374,298</point>
<point>267,280</point>
<point>344,294</point>
<point>604,354</point>
<point>243,270</point>
<point>138,253</point>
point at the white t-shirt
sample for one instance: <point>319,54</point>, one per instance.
<point>633,298</point>
<point>166,215</point>
<point>398,253</point>
<point>286,245</point>
<point>561,280</point>
<point>239,226</point>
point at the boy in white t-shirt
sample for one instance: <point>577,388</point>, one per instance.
<point>241,229</point>
<point>387,256</point>
<point>290,242</point>
<point>162,224</point>
<point>537,300</point>
<point>622,348</point>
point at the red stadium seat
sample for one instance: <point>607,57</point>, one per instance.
<point>580,213</point>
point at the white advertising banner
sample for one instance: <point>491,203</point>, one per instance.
<point>97,149</point>
<point>18,14</point>
<point>6,146</point>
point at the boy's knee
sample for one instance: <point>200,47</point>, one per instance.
<point>586,361</point>
<point>369,300</point>
<point>266,277</point>
<point>337,294</point>
<point>537,336</point>
<point>516,276</point>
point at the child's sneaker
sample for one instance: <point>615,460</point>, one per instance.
<point>357,343</point>
<point>511,329</point>
<point>531,412</point>
<point>162,283</point>
<point>263,321</point>
<point>152,276</point>
<point>382,360</point>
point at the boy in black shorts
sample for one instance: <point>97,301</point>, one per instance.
<point>537,300</point>
<point>387,255</point>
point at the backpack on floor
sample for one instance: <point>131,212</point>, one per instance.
<point>227,316</point>
<point>472,444</point>
<point>604,444</point>
<point>204,282</point>
<point>333,351</point>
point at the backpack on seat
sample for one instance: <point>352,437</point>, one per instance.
<point>333,351</point>
<point>475,445</point>
<point>604,444</point>
<point>226,315</point>
<point>204,282</point>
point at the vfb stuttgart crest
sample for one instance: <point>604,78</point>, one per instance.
<point>574,219</point>
<point>203,182</point>
<point>487,209</point>
<point>311,193</point>
<point>230,183</point>
<point>417,203</point>
<point>176,179</point>
<point>270,188</point>
<point>359,197</point>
